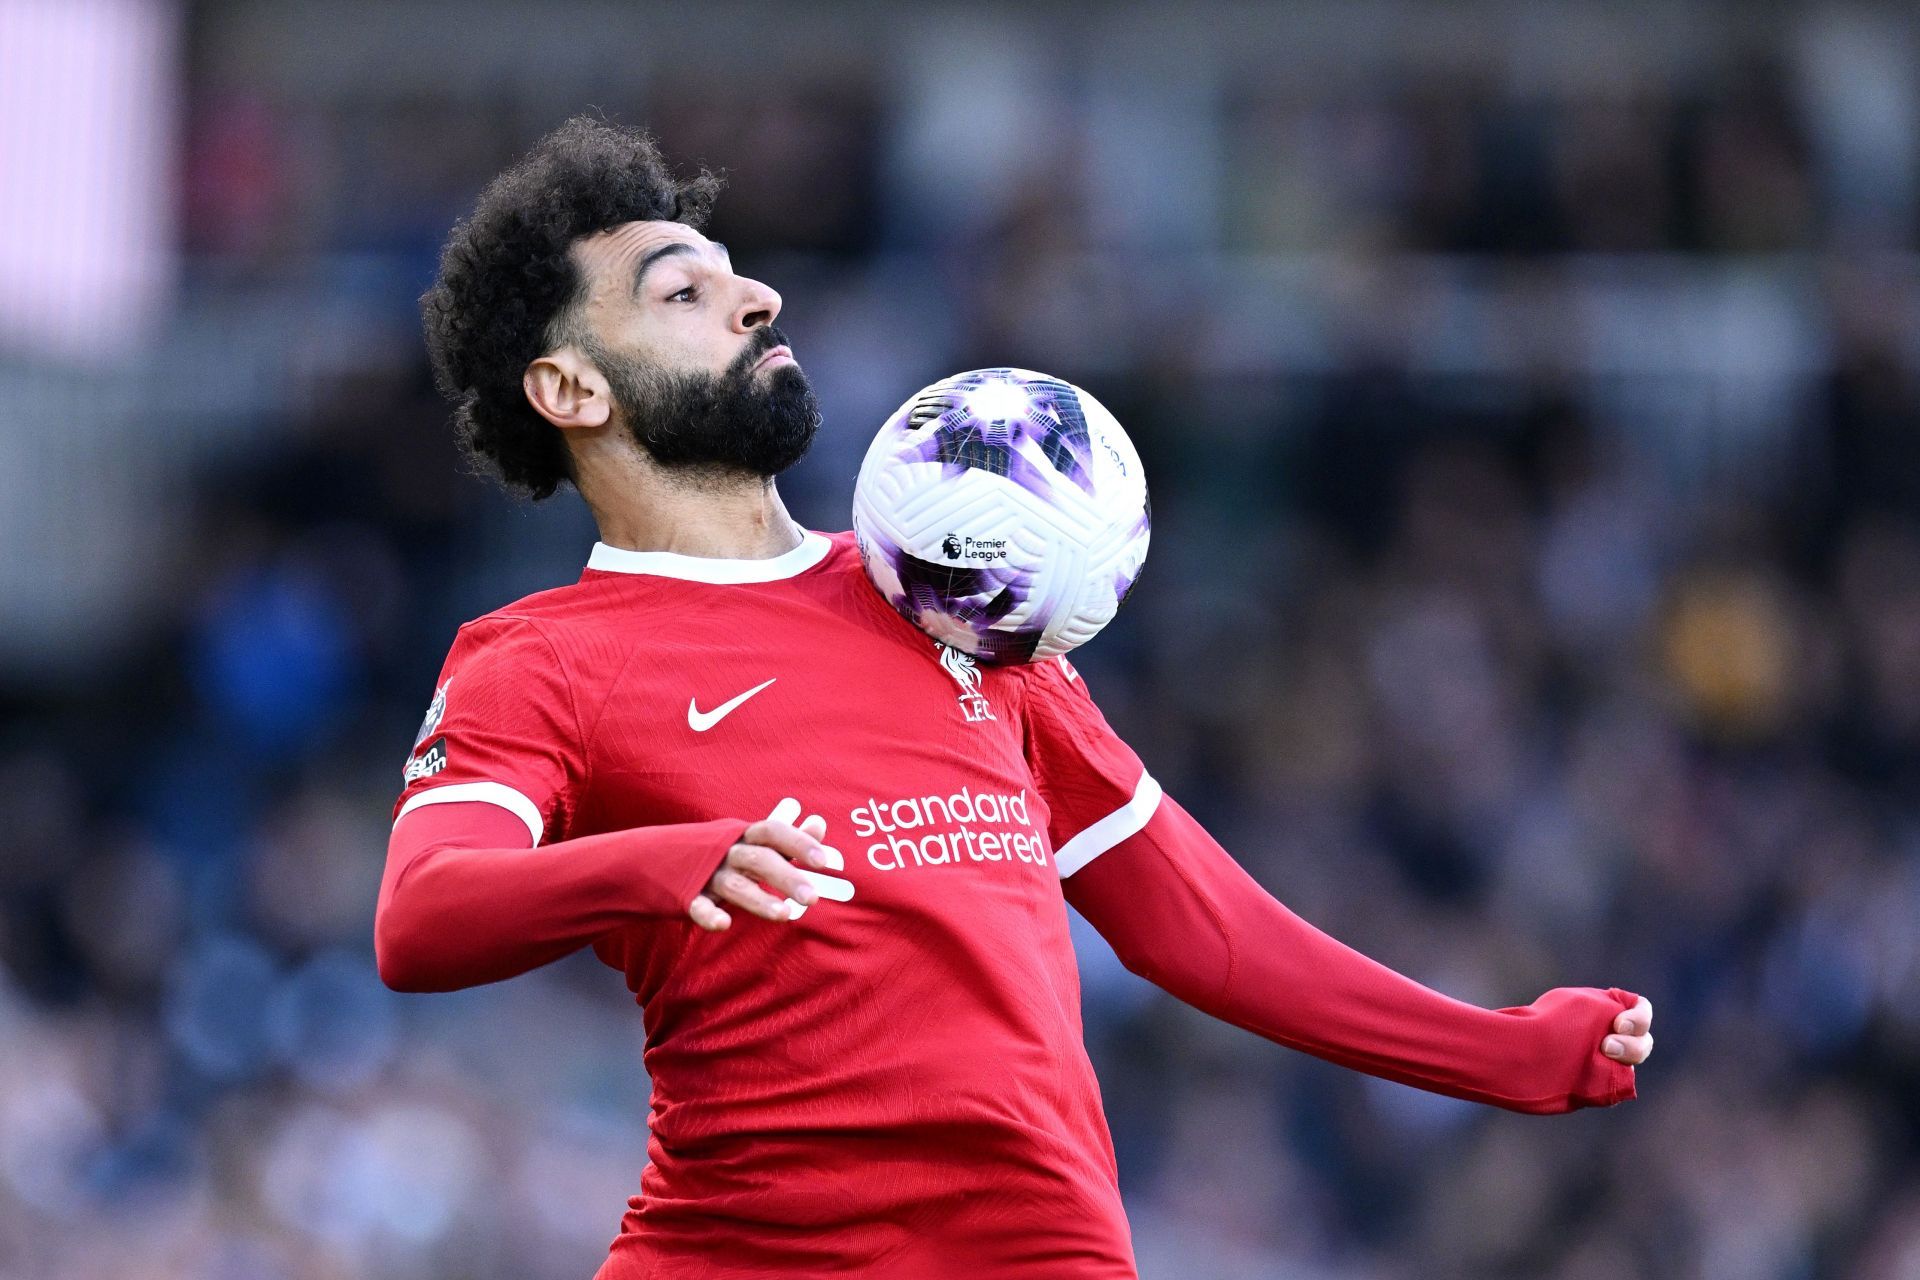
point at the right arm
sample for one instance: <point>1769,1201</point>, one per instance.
<point>466,900</point>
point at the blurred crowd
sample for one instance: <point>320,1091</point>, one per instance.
<point>1534,601</point>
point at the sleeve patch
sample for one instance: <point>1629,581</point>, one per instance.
<point>426,763</point>
<point>436,712</point>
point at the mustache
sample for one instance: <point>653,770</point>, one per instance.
<point>759,342</point>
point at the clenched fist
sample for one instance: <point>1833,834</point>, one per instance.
<point>1632,1042</point>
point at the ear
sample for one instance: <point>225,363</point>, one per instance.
<point>566,390</point>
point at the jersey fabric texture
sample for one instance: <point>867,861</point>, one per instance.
<point>894,1084</point>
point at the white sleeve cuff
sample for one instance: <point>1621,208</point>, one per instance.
<point>498,793</point>
<point>1109,831</point>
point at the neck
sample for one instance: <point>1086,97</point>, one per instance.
<point>640,507</point>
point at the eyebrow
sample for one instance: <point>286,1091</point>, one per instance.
<point>668,251</point>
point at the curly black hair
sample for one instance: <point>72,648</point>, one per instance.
<point>507,284</point>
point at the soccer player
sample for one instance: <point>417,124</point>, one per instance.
<point>831,859</point>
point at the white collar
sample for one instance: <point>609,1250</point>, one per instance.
<point>812,550</point>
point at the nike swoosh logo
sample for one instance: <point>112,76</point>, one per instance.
<point>701,721</point>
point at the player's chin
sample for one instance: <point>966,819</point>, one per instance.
<point>782,374</point>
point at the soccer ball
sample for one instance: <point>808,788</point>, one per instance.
<point>1004,513</point>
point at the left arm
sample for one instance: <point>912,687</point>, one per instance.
<point>1181,913</point>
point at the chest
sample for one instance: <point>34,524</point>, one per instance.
<point>913,757</point>
<point>725,714</point>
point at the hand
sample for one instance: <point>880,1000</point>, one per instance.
<point>759,872</point>
<point>1633,1043</point>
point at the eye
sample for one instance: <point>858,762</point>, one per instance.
<point>687,294</point>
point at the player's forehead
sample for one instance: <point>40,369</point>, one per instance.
<point>615,253</point>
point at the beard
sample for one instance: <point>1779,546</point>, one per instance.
<point>708,426</point>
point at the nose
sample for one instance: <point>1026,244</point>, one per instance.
<point>758,305</point>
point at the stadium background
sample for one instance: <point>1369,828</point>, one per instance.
<point>1528,392</point>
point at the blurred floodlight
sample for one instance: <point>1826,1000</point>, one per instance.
<point>88,107</point>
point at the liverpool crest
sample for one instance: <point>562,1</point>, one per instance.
<point>966,673</point>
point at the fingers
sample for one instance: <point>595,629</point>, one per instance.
<point>1631,1050</point>
<point>760,880</point>
<point>823,856</point>
<point>1634,1043</point>
<point>707,914</point>
<point>1637,1021</point>
<point>815,827</point>
<point>792,842</point>
<point>753,866</point>
<point>760,875</point>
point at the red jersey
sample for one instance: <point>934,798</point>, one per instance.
<point>894,1083</point>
